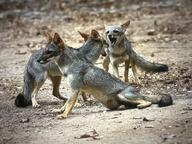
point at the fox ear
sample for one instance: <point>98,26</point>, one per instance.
<point>48,36</point>
<point>125,25</point>
<point>84,35</point>
<point>58,41</point>
<point>95,34</point>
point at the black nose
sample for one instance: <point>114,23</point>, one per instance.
<point>38,61</point>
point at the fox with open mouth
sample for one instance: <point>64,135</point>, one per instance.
<point>119,50</point>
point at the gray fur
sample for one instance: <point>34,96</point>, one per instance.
<point>35,73</point>
<point>107,89</point>
<point>120,50</point>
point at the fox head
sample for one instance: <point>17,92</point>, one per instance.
<point>54,48</point>
<point>94,40</point>
<point>114,34</point>
<point>94,35</point>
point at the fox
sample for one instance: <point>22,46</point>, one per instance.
<point>83,76</point>
<point>35,74</point>
<point>119,51</point>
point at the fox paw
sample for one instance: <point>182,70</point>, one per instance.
<point>56,111</point>
<point>137,82</point>
<point>61,116</point>
<point>36,105</point>
<point>140,106</point>
<point>62,98</point>
<point>78,105</point>
<point>144,105</point>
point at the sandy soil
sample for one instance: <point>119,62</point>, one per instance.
<point>160,31</point>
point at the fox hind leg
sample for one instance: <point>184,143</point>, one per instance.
<point>56,81</point>
<point>130,97</point>
<point>143,104</point>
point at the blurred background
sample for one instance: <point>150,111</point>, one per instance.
<point>160,31</point>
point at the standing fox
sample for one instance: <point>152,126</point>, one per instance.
<point>120,50</point>
<point>35,73</point>
<point>83,76</point>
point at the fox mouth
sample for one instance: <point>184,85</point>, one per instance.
<point>112,39</point>
<point>44,61</point>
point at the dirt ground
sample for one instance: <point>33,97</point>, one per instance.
<point>160,31</point>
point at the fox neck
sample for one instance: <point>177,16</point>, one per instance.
<point>90,45</point>
<point>91,50</point>
<point>65,59</point>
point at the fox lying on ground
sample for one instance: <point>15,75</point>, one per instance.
<point>83,76</point>
<point>35,73</point>
<point>120,51</point>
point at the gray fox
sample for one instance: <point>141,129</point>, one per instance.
<point>83,76</point>
<point>35,73</point>
<point>120,50</point>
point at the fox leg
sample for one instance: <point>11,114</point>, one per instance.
<point>84,97</point>
<point>37,86</point>
<point>59,110</point>
<point>115,69</point>
<point>143,104</point>
<point>139,103</point>
<point>131,97</point>
<point>69,105</point>
<point>134,70</point>
<point>33,98</point>
<point>126,72</point>
<point>56,81</point>
<point>62,109</point>
<point>106,62</point>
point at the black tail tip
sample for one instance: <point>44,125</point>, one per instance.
<point>20,101</point>
<point>166,100</point>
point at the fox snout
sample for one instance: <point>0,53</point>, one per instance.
<point>112,39</point>
<point>39,61</point>
<point>43,60</point>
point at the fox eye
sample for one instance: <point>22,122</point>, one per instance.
<point>115,31</point>
<point>107,32</point>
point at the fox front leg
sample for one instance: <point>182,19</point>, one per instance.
<point>134,70</point>
<point>106,62</point>
<point>69,105</point>
<point>126,72</point>
<point>115,69</point>
<point>34,94</point>
<point>59,110</point>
